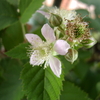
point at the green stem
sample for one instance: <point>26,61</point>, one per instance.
<point>61,29</point>
<point>23,29</point>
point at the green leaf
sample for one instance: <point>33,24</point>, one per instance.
<point>89,84</point>
<point>41,84</point>
<point>84,54</point>
<point>11,87</point>
<point>81,69</point>
<point>8,14</point>
<point>72,92</point>
<point>19,52</point>
<point>67,65</point>
<point>12,36</point>
<point>13,2</point>
<point>28,7</point>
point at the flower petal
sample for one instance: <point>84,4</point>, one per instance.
<point>47,15</point>
<point>35,58</point>
<point>55,66</point>
<point>48,33</point>
<point>35,40</point>
<point>61,47</point>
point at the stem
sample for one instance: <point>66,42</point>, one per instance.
<point>23,29</point>
<point>61,29</point>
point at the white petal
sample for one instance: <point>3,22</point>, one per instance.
<point>48,33</point>
<point>35,58</point>
<point>55,66</point>
<point>34,39</point>
<point>47,15</point>
<point>61,47</point>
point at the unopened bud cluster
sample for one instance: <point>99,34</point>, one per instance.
<point>72,55</point>
<point>55,20</point>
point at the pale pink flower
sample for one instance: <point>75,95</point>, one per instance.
<point>43,51</point>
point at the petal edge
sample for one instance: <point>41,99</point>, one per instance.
<point>61,47</point>
<point>48,33</point>
<point>34,39</point>
<point>55,66</point>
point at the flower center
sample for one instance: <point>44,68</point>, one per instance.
<point>79,30</point>
<point>44,51</point>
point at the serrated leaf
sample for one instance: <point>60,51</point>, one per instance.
<point>41,84</point>
<point>72,92</point>
<point>10,86</point>
<point>19,52</point>
<point>8,14</point>
<point>28,7</point>
<point>12,36</point>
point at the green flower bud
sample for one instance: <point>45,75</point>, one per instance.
<point>88,43</point>
<point>55,20</point>
<point>72,55</point>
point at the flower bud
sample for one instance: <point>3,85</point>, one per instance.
<point>88,43</point>
<point>55,20</point>
<point>71,55</point>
